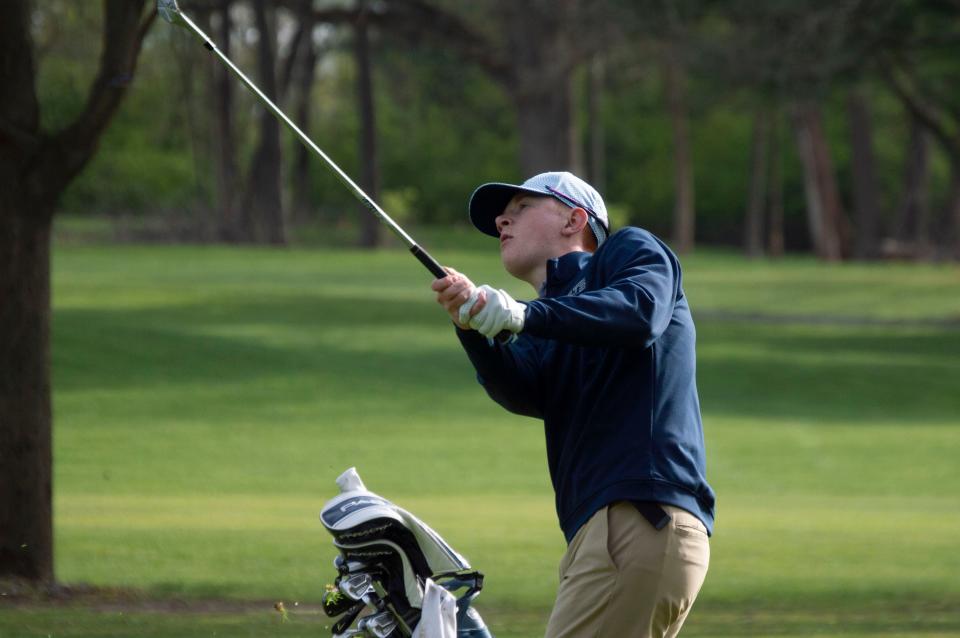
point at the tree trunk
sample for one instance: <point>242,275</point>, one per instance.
<point>541,85</point>
<point>35,168</point>
<point>369,169</point>
<point>865,183</point>
<point>811,187</point>
<point>26,518</point>
<point>953,210</point>
<point>229,220</point>
<point>835,224</point>
<point>684,222</point>
<point>544,43</point>
<point>759,165</point>
<point>910,227</point>
<point>775,239</point>
<point>823,205</point>
<point>300,174</point>
<point>26,515</point>
<point>263,205</point>
<point>596,160</point>
<point>942,122</point>
<point>545,123</point>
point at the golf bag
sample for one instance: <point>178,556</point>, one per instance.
<point>388,560</point>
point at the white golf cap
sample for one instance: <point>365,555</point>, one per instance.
<point>489,200</point>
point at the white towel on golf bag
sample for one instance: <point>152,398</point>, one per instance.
<point>438,616</point>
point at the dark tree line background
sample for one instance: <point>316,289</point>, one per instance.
<point>829,127</point>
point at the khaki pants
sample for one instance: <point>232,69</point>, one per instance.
<point>621,578</point>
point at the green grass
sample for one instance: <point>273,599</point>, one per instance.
<point>799,286</point>
<point>206,398</point>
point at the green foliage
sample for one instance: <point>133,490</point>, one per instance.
<point>446,128</point>
<point>639,158</point>
<point>721,165</point>
<point>444,125</point>
<point>62,90</point>
<point>335,129</point>
<point>149,158</point>
<point>134,177</point>
<point>442,129</point>
<point>66,35</point>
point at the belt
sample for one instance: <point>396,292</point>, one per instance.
<point>653,513</point>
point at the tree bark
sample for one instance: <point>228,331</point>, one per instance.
<point>263,203</point>
<point>26,457</point>
<point>596,164</point>
<point>230,222</point>
<point>684,221</point>
<point>369,164</point>
<point>910,227</point>
<point>953,210</point>
<point>865,184</point>
<point>543,44</point>
<point>541,84</point>
<point>305,68</point>
<point>300,174</point>
<point>35,168</point>
<point>942,121</point>
<point>759,165</point>
<point>26,517</point>
<point>544,122</point>
<point>835,224</point>
<point>775,238</point>
<point>823,202</point>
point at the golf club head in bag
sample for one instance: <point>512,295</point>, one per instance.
<point>386,557</point>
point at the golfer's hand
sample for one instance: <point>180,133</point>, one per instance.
<point>499,312</point>
<point>453,292</point>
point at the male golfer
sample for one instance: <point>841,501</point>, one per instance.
<point>605,356</point>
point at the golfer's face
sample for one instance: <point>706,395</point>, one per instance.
<point>529,228</point>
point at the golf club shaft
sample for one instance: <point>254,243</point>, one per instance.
<point>172,13</point>
<point>423,256</point>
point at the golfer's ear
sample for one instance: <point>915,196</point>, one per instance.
<point>576,221</point>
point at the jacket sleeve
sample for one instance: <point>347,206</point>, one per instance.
<point>506,372</point>
<point>641,286</point>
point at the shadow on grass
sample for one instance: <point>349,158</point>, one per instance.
<point>344,341</point>
<point>849,373</point>
<point>853,374</point>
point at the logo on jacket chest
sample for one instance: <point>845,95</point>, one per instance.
<point>578,287</point>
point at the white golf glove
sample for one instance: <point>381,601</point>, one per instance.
<point>501,312</point>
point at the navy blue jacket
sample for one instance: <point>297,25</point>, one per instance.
<point>607,359</point>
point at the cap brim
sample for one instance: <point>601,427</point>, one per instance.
<point>489,200</point>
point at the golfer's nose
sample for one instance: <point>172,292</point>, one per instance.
<point>501,221</point>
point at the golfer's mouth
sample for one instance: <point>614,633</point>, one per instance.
<point>504,238</point>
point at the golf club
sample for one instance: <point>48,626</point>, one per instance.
<point>170,12</point>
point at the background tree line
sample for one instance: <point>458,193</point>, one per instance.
<point>811,125</point>
<point>823,126</point>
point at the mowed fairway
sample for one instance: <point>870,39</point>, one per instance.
<point>207,398</point>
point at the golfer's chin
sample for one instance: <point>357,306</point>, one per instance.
<point>519,266</point>
<point>510,260</point>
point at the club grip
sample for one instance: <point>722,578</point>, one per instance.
<point>437,270</point>
<point>432,264</point>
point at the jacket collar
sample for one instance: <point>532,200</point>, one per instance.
<point>562,270</point>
